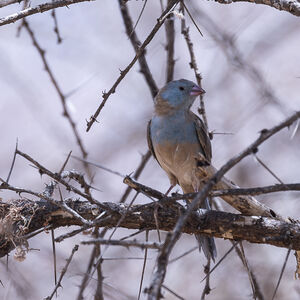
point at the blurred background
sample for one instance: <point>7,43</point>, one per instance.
<point>249,59</point>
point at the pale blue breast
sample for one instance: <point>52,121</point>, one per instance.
<point>177,129</point>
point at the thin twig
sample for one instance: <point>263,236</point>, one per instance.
<point>139,17</point>
<point>126,244</point>
<point>206,289</point>
<point>57,177</point>
<point>130,31</point>
<point>242,255</point>
<point>172,292</point>
<point>12,163</point>
<point>99,166</point>
<point>221,259</point>
<point>63,272</point>
<point>131,235</point>
<point>54,256</point>
<point>268,169</point>
<point>56,29</point>
<point>144,266</point>
<point>61,95</point>
<point>184,254</point>
<point>87,274</point>
<point>193,62</point>
<point>124,72</point>
<point>100,277</point>
<point>38,9</point>
<point>170,37</point>
<point>281,273</point>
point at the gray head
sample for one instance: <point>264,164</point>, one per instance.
<point>177,94</point>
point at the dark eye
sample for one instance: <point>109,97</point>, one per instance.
<point>181,88</point>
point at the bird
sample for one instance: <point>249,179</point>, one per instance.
<point>179,141</point>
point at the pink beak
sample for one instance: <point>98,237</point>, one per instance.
<point>196,91</point>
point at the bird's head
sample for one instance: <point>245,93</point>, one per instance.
<point>177,94</point>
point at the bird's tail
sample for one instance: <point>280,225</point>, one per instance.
<point>207,244</point>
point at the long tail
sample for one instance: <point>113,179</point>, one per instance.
<point>207,244</point>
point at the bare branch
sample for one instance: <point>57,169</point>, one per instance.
<point>241,204</point>
<point>56,29</point>
<point>130,31</point>
<point>124,72</point>
<point>291,6</point>
<point>37,9</point>
<point>63,272</point>
<point>213,223</point>
<point>57,177</point>
<point>132,243</point>
<point>193,62</point>
<point>170,37</point>
<point>281,273</point>
<point>9,2</point>
<point>62,97</point>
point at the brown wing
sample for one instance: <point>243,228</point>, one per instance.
<point>149,140</point>
<point>203,137</point>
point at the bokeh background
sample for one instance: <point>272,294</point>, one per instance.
<point>86,63</point>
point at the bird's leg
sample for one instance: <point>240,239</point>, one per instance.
<point>169,189</point>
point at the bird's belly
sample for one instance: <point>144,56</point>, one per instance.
<point>178,159</point>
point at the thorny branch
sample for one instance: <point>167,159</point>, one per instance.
<point>57,177</point>
<point>127,244</point>
<point>130,31</point>
<point>37,9</point>
<point>124,72</point>
<point>254,229</point>
<point>63,272</point>
<point>193,63</point>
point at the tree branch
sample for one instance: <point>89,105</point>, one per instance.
<point>37,9</point>
<point>21,217</point>
<point>124,72</point>
<point>291,6</point>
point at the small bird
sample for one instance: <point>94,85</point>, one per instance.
<point>179,141</point>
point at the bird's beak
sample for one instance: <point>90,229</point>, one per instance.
<point>196,91</point>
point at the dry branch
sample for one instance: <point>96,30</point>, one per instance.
<point>291,6</point>
<point>130,31</point>
<point>127,244</point>
<point>37,9</point>
<point>21,217</point>
<point>124,72</point>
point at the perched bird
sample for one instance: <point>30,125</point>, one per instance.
<point>179,141</point>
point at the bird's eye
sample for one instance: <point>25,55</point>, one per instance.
<point>181,88</point>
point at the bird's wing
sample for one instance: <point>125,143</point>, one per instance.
<point>203,137</point>
<point>164,163</point>
<point>150,141</point>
